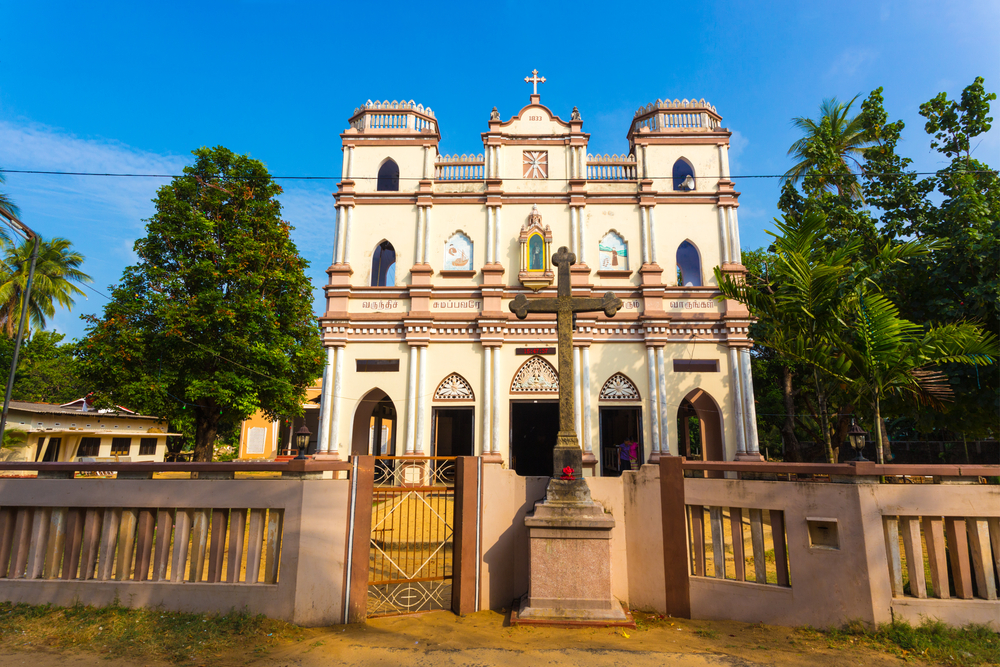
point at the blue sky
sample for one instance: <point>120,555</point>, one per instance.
<point>134,87</point>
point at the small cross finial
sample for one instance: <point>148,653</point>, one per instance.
<point>534,79</point>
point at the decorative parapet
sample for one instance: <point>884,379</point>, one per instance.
<point>404,115</point>
<point>676,115</point>
<point>460,167</point>
<point>611,167</point>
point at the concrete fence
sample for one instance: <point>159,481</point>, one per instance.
<point>790,544</point>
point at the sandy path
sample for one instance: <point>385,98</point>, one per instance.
<point>441,639</point>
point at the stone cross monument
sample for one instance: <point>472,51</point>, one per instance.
<point>567,453</point>
<point>569,534</point>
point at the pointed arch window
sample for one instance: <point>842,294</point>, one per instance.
<point>688,265</point>
<point>384,265</point>
<point>388,176</point>
<point>613,252</point>
<point>683,175</point>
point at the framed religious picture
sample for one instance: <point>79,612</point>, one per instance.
<point>458,253</point>
<point>613,253</point>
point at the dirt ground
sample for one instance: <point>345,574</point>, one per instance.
<point>441,639</point>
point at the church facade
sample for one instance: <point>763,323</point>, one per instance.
<point>424,356</point>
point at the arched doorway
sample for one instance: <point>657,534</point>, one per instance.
<point>374,425</point>
<point>699,428</point>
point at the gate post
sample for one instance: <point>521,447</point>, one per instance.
<point>359,530</point>
<point>465,545</point>
<point>675,537</point>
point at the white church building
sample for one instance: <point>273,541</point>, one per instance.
<point>423,356</point>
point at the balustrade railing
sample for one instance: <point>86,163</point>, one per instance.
<point>956,551</point>
<point>460,168</point>
<point>170,545</point>
<point>393,116</point>
<point>611,167</point>
<point>743,544</point>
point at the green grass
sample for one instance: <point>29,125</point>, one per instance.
<point>932,641</point>
<point>119,632</point>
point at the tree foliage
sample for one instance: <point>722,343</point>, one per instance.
<point>214,322</point>
<point>46,369</point>
<point>946,290</point>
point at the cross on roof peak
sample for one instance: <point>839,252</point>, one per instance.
<point>534,79</point>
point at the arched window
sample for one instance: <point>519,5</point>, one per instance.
<point>613,252</point>
<point>384,265</point>
<point>683,175</point>
<point>388,176</point>
<point>688,265</point>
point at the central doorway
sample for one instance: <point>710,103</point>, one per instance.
<point>534,426</point>
<point>454,431</point>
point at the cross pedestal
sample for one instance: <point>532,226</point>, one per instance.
<point>569,534</point>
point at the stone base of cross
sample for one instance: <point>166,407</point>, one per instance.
<point>567,484</point>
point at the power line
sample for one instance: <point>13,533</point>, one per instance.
<point>414,178</point>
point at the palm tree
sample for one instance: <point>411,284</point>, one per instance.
<point>56,271</point>
<point>8,209</point>
<point>829,146</point>
<point>807,299</point>
<point>895,356</point>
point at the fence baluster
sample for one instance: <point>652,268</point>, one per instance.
<point>909,526</point>
<point>979,538</point>
<point>273,549</point>
<point>161,553</point>
<point>126,543</point>
<point>718,542</point>
<point>255,545</point>
<point>237,531</point>
<point>199,544</point>
<point>757,542</point>
<point>220,522</point>
<point>39,541</point>
<point>958,554</point>
<point>780,550</point>
<point>8,519</point>
<point>890,526</point>
<point>91,542</point>
<point>182,543</point>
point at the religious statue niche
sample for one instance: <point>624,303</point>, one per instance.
<point>457,253</point>
<point>613,252</point>
<point>535,239</point>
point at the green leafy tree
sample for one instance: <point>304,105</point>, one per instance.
<point>57,271</point>
<point>46,369</point>
<point>214,322</point>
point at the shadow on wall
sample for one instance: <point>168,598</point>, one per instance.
<point>506,560</point>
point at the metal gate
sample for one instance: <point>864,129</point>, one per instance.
<point>412,535</point>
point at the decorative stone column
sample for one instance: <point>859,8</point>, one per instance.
<point>750,410</point>
<point>734,387</point>
<point>661,371</point>
<point>654,404</point>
